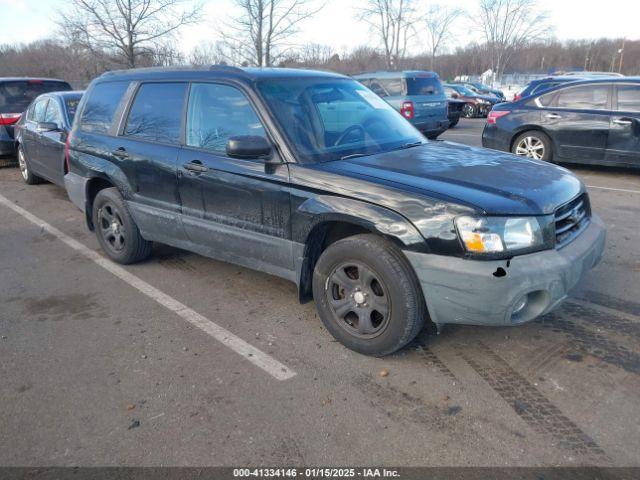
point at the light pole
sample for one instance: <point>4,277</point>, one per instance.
<point>621,52</point>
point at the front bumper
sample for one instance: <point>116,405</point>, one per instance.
<point>466,291</point>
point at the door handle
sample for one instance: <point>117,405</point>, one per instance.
<point>120,152</point>
<point>552,116</point>
<point>623,121</point>
<point>195,166</point>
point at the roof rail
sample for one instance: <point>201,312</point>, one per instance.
<point>229,68</point>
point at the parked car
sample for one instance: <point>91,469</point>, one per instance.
<point>16,93</point>
<point>483,89</point>
<point>475,105</point>
<point>310,176</point>
<point>541,84</point>
<point>417,95</point>
<point>454,110</point>
<point>594,121</point>
<point>41,135</point>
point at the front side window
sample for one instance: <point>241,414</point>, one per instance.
<point>101,106</point>
<point>156,113</point>
<point>39,110</point>
<point>629,98</point>
<point>327,119</point>
<point>52,114</point>
<point>71,105</point>
<point>586,97</point>
<point>216,113</point>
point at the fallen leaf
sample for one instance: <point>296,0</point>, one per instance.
<point>384,372</point>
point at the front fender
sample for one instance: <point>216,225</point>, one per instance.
<point>387,223</point>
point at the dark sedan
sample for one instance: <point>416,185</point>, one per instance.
<point>16,93</point>
<point>41,136</point>
<point>475,105</point>
<point>593,121</point>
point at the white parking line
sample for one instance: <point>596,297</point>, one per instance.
<point>614,189</point>
<point>262,360</point>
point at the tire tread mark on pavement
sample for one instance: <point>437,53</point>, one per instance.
<point>432,359</point>
<point>593,343</point>
<point>601,319</point>
<point>614,303</point>
<point>529,403</point>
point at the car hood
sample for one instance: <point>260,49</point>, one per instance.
<point>494,182</point>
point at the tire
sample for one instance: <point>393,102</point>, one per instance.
<point>454,123</point>
<point>433,136</point>
<point>117,233</point>
<point>366,277</point>
<point>23,163</point>
<point>533,144</point>
<point>469,110</point>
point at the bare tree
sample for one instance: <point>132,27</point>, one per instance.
<point>393,21</point>
<point>438,22</point>
<point>261,33</point>
<point>509,25</point>
<point>130,28</point>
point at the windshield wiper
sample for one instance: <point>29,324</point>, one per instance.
<point>354,155</point>
<point>411,144</point>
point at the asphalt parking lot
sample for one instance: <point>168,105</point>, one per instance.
<point>183,360</point>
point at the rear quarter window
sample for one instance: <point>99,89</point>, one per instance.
<point>629,98</point>
<point>101,105</point>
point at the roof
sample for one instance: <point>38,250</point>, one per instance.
<point>215,71</point>
<point>399,74</point>
<point>65,93</point>
<point>26,79</point>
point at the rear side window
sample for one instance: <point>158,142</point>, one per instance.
<point>156,113</point>
<point>387,87</point>
<point>424,86</point>
<point>587,97</point>
<point>101,106</point>
<point>15,96</point>
<point>216,113</point>
<point>629,98</point>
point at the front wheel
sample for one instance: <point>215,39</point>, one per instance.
<point>367,295</point>
<point>117,233</point>
<point>533,144</point>
<point>469,110</point>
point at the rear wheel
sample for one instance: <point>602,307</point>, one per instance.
<point>469,110</point>
<point>27,175</point>
<point>367,295</point>
<point>117,233</point>
<point>533,144</point>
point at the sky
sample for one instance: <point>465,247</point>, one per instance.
<point>336,24</point>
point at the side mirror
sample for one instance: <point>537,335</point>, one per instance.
<point>249,147</point>
<point>47,127</point>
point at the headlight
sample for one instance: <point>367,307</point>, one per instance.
<point>499,234</point>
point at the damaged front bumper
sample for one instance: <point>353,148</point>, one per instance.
<point>466,291</point>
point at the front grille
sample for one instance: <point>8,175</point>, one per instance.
<point>571,219</point>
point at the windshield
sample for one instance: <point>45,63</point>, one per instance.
<point>328,119</point>
<point>15,96</point>
<point>71,105</point>
<point>424,86</point>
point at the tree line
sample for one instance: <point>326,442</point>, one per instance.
<point>94,36</point>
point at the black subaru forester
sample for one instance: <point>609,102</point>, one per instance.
<point>312,177</point>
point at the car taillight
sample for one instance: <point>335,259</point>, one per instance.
<point>66,153</point>
<point>517,97</point>
<point>407,110</point>
<point>494,115</point>
<point>9,118</point>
